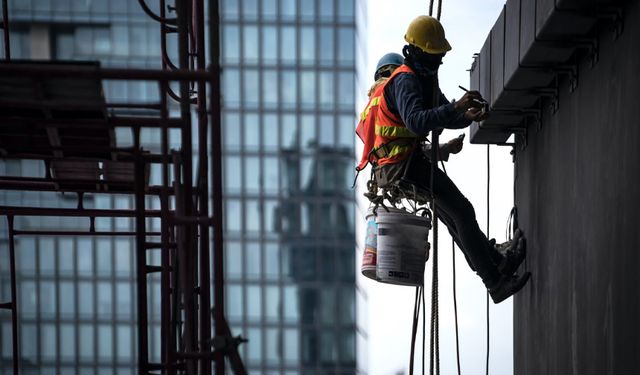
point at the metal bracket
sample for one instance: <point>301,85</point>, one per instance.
<point>572,72</point>
<point>615,16</point>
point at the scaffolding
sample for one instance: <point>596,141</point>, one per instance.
<point>56,112</point>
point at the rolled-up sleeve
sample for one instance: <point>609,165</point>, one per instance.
<point>405,95</point>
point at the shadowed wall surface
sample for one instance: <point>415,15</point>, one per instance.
<point>577,192</point>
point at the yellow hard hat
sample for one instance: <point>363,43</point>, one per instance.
<point>427,33</point>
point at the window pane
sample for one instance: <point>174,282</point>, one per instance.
<point>270,127</point>
<point>308,89</point>
<point>233,215</point>
<point>327,133</point>
<point>124,256</point>
<point>47,299</point>
<point>230,43</point>
<point>250,44</point>
<point>86,342</point>
<point>104,299</point>
<point>308,9</point>
<point>254,260</point>
<point>233,256</point>
<point>28,298</point>
<point>232,173</point>
<point>287,9</point>
<point>346,133</point>
<point>105,338</point>
<point>231,131</point>
<point>124,348</point>
<point>103,254</point>
<point>307,45</point>
<point>346,9</point>
<point>346,45</point>
<point>85,298</point>
<point>48,344</point>
<point>269,45</point>
<point>230,9</point>
<point>254,346</point>
<point>326,10</point>
<point>289,52</point>
<point>253,215</point>
<point>270,89</point>
<point>67,299</point>
<point>327,95</point>
<point>250,9</point>
<point>68,340</point>
<point>271,261</point>
<point>254,303</point>
<point>289,89</point>
<point>123,299</point>
<point>346,91</point>
<point>47,251</point>
<point>272,343</point>
<point>272,303</point>
<point>271,174</point>
<point>269,9</point>
<point>271,216</point>
<point>288,123</point>
<point>29,345</point>
<point>234,302</point>
<point>251,93</point>
<point>291,346</point>
<point>251,128</point>
<point>66,255</point>
<point>308,132</point>
<point>290,305</point>
<point>252,177</point>
<point>231,87</point>
<point>326,49</point>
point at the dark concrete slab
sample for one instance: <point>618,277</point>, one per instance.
<point>577,184</point>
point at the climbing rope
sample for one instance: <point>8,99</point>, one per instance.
<point>488,185</point>
<point>455,302</point>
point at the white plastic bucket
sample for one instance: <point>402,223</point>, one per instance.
<point>369,257</point>
<point>402,247</point>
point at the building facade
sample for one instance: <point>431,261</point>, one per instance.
<point>289,83</point>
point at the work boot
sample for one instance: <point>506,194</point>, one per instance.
<point>508,286</point>
<point>513,253</point>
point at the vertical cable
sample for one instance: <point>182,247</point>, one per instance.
<point>488,201</point>
<point>439,9</point>
<point>455,303</point>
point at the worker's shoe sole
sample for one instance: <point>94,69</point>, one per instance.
<point>508,286</point>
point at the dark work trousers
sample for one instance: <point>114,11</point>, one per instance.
<point>453,209</point>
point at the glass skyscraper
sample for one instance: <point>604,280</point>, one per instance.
<point>289,87</point>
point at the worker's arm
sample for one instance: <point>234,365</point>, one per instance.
<point>405,96</point>
<point>459,121</point>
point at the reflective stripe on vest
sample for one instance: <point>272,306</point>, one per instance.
<point>373,103</point>
<point>394,131</point>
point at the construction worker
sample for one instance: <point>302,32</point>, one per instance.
<point>384,68</point>
<point>401,112</point>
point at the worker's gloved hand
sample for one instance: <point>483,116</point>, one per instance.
<point>476,114</point>
<point>455,145</point>
<point>470,99</point>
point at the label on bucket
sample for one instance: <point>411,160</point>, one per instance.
<point>371,241</point>
<point>402,251</point>
<point>369,258</point>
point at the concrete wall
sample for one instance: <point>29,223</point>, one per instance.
<point>578,194</point>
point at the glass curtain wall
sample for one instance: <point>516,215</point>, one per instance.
<point>289,81</point>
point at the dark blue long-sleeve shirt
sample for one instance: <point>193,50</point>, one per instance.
<point>409,97</point>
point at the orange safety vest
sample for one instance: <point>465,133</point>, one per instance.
<point>386,138</point>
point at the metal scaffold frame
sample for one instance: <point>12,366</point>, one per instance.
<point>190,239</point>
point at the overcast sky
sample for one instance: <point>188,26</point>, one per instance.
<point>467,24</point>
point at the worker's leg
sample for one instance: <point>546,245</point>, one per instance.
<point>459,216</point>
